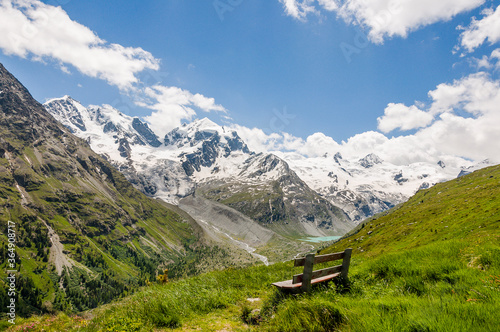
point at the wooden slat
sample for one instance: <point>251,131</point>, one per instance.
<point>318,274</point>
<point>325,278</point>
<point>328,258</point>
<point>287,284</point>
<point>320,259</point>
<point>327,271</point>
<point>297,278</point>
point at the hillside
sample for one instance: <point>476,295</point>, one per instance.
<point>432,264</point>
<point>467,208</point>
<point>84,235</point>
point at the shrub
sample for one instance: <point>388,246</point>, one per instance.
<point>160,315</point>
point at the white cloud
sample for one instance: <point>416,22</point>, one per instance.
<point>171,105</point>
<point>466,126</point>
<point>329,5</point>
<point>44,32</point>
<point>469,118</point>
<point>385,18</point>
<point>476,94</point>
<point>388,18</point>
<point>487,28</point>
<point>299,8</point>
<point>488,62</point>
<point>403,117</point>
<point>473,138</point>
<point>496,54</point>
<point>484,62</point>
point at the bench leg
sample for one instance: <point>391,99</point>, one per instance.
<point>345,263</point>
<point>307,275</point>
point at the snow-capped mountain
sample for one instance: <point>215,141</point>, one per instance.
<point>205,159</point>
<point>214,161</point>
<point>473,168</point>
<point>368,185</point>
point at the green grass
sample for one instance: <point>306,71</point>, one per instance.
<point>437,287</point>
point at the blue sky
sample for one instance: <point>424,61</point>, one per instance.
<point>261,58</point>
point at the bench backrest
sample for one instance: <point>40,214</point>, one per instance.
<point>308,262</point>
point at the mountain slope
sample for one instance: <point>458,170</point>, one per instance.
<point>466,208</point>
<point>84,234</point>
<point>432,264</point>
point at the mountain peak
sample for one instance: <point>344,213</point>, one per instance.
<point>95,121</point>
<point>205,123</point>
<point>205,131</point>
<point>370,160</point>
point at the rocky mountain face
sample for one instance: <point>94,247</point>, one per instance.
<point>203,158</point>
<point>84,234</point>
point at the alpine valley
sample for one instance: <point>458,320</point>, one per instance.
<point>252,199</point>
<point>83,234</point>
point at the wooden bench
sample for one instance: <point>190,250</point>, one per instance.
<point>303,282</point>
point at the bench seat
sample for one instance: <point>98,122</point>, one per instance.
<point>288,284</point>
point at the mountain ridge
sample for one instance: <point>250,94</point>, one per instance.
<point>361,187</point>
<point>195,158</point>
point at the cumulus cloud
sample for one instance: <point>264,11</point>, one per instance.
<point>476,94</point>
<point>480,31</point>
<point>299,8</point>
<point>385,18</point>
<point>487,62</point>
<point>496,54</point>
<point>403,117</point>
<point>171,105</point>
<point>468,120</point>
<point>44,32</point>
<point>461,121</point>
<point>41,32</point>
